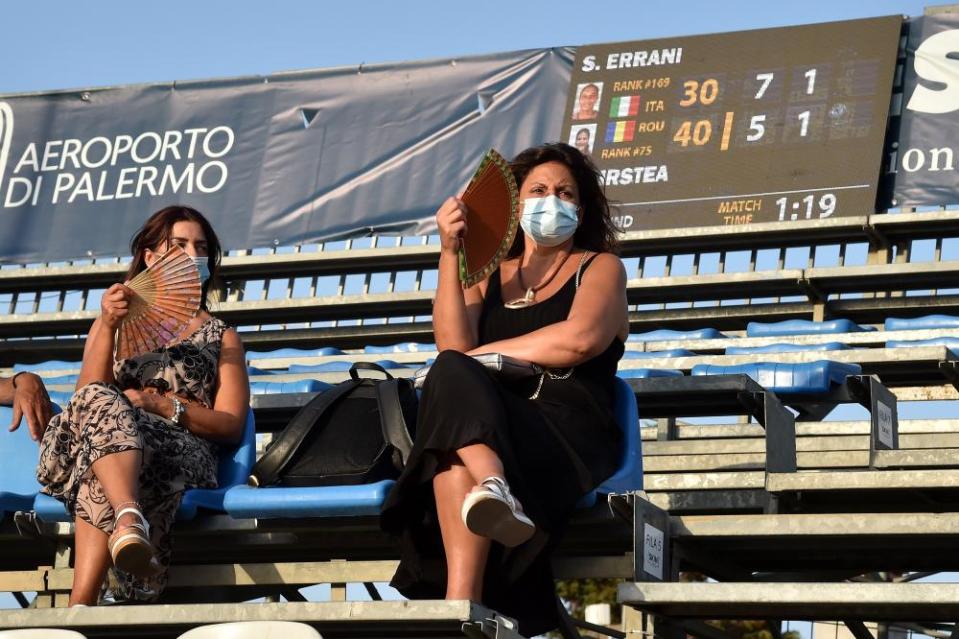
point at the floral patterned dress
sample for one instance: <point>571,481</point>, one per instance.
<point>100,420</point>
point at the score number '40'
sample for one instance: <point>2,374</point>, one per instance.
<point>706,92</point>
<point>824,207</point>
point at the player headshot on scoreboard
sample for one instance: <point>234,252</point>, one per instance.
<point>588,95</point>
<point>581,136</point>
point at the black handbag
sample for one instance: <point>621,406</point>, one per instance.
<point>357,432</point>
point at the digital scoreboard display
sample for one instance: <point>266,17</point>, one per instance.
<point>737,128</point>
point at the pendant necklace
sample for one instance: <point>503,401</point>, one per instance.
<point>530,297</point>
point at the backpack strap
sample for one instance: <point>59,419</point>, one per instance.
<point>391,417</point>
<point>267,470</point>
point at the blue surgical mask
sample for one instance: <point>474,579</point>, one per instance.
<point>549,221</point>
<point>202,265</point>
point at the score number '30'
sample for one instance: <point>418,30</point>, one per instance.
<point>808,205</point>
<point>706,92</point>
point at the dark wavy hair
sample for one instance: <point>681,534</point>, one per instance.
<point>597,232</point>
<point>156,231</point>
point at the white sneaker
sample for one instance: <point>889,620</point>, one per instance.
<point>492,511</point>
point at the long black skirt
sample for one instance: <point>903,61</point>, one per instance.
<point>554,449</point>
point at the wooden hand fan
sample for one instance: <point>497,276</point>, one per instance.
<point>493,202</point>
<point>166,297</point>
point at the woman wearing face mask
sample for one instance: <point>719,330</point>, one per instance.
<point>497,468</point>
<point>140,431</point>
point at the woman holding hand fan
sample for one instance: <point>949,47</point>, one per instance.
<point>143,426</point>
<point>497,467</point>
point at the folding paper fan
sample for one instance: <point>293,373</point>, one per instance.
<point>166,297</point>
<point>493,202</point>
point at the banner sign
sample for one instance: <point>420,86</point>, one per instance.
<point>284,159</point>
<point>737,128</point>
<point>923,162</point>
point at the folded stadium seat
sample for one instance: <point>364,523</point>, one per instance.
<point>809,377</point>
<point>49,365</point>
<point>291,353</point>
<point>673,352</point>
<point>18,481</point>
<point>640,373</point>
<point>253,370</point>
<point>786,348</point>
<point>252,630</point>
<point>337,366</point>
<point>246,502</point>
<point>402,347</point>
<point>919,323</point>
<point>299,386</point>
<point>952,343</point>
<point>233,469</point>
<point>663,334</point>
<point>803,327</point>
<point>61,379</point>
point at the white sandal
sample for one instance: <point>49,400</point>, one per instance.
<point>130,545</point>
<point>492,511</point>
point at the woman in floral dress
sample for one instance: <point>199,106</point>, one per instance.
<point>140,431</point>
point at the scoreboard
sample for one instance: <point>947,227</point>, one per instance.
<point>737,128</point>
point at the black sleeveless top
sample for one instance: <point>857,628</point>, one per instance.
<point>498,322</point>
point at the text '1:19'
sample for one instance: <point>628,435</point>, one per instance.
<point>806,207</point>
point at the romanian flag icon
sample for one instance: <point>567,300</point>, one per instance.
<point>624,106</point>
<point>621,131</point>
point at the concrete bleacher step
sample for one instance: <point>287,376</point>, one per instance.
<point>719,433</point>
<point>331,619</point>
<point>798,601</point>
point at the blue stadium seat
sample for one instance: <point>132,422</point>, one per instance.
<point>338,366</point>
<point>61,379</point>
<point>292,353</point>
<point>673,352</point>
<point>253,370</point>
<point>640,373</point>
<point>920,323</point>
<point>786,348</point>
<point>18,473</point>
<point>803,327</point>
<point>810,377</point>
<point>60,398</point>
<point>663,334</point>
<point>49,365</point>
<point>952,343</point>
<point>299,386</point>
<point>246,502</point>
<point>233,469</point>
<point>402,347</point>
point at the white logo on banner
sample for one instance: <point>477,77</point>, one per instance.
<point>6,137</point>
<point>103,169</point>
<point>936,61</point>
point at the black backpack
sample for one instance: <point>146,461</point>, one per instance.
<point>357,432</point>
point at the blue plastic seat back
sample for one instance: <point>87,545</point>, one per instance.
<point>339,366</point>
<point>673,352</point>
<point>70,379</point>
<point>952,343</point>
<point>641,373</point>
<point>921,323</point>
<point>18,472</point>
<point>629,477</point>
<point>299,386</point>
<point>803,327</point>
<point>60,398</point>
<point>403,347</point>
<point>233,468</point>
<point>292,353</point>
<point>664,334</point>
<point>808,377</point>
<point>49,365</point>
<point>786,348</point>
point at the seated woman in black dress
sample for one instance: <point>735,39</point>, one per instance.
<point>484,447</point>
<point>139,432</point>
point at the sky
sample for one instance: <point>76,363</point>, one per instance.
<point>65,45</point>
